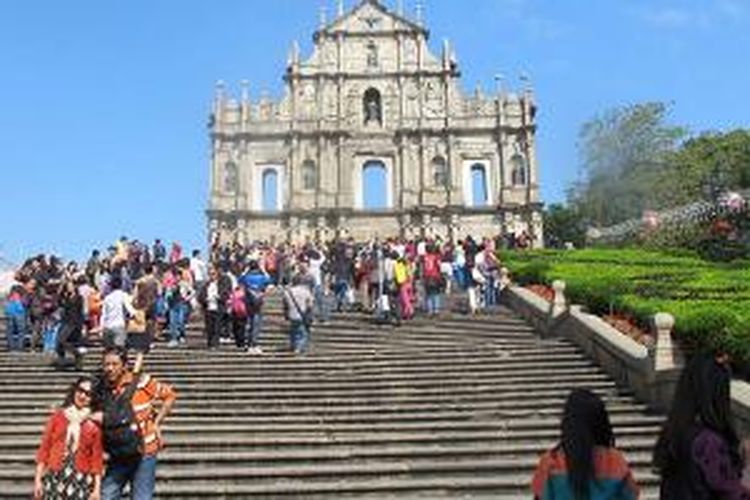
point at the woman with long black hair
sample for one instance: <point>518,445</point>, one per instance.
<point>698,451</point>
<point>70,457</point>
<point>584,465</point>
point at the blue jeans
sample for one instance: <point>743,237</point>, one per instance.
<point>252,329</point>
<point>16,334</point>
<point>320,303</point>
<point>177,319</point>
<point>141,475</point>
<point>340,289</point>
<point>490,294</point>
<point>433,303</point>
<point>298,336</point>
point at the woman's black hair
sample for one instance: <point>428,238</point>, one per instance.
<point>701,399</point>
<point>71,392</point>
<point>585,424</point>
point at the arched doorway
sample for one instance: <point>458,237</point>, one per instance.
<point>374,186</point>
<point>270,188</point>
<point>479,196</point>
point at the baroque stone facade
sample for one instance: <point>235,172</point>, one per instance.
<point>372,109</point>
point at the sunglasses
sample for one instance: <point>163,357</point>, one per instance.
<point>83,391</point>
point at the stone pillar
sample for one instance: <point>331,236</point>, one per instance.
<point>321,229</point>
<point>667,355</point>
<point>214,236</point>
<point>242,235</point>
<point>508,222</point>
<point>504,277</point>
<point>537,229</point>
<point>341,227</point>
<point>559,304</point>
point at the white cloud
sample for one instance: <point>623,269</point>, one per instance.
<point>712,14</point>
<point>522,14</point>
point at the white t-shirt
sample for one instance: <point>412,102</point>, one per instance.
<point>113,309</point>
<point>303,297</point>
<point>199,270</point>
<point>212,296</point>
<point>315,269</point>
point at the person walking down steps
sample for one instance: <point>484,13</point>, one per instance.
<point>298,308</point>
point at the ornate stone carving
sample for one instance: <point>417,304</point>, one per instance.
<point>335,120</point>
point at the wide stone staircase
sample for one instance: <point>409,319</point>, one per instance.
<point>454,407</point>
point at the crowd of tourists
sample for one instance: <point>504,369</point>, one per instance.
<point>137,293</point>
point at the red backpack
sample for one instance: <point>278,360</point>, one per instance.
<point>432,266</point>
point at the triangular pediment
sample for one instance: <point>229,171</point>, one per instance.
<point>372,17</point>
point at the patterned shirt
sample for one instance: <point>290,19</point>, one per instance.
<point>612,477</point>
<point>148,391</point>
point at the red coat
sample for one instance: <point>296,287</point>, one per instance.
<point>89,457</point>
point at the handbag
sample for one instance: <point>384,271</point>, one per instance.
<point>137,322</point>
<point>350,299</point>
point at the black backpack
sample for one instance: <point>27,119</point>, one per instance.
<point>122,439</point>
<point>253,300</point>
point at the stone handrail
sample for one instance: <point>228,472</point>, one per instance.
<point>651,371</point>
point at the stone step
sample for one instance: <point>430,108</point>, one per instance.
<point>404,394</point>
<point>509,425</point>
<point>23,448</point>
<point>450,378</point>
<point>332,421</point>
<point>492,485</point>
<point>262,468</point>
<point>203,374</point>
<point>209,406</point>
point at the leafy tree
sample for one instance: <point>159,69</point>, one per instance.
<point>706,166</point>
<point>563,224</point>
<point>624,152</point>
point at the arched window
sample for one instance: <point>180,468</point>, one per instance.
<point>231,177</point>
<point>270,191</point>
<point>440,172</point>
<point>518,170</point>
<point>373,110</point>
<point>309,175</point>
<point>374,186</point>
<point>478,186</point>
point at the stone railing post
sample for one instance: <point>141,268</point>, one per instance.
<point>666,354</point>
<point>559,303</point>
<point>504,278</point>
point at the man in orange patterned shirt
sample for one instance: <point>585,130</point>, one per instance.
<point>147,394</point>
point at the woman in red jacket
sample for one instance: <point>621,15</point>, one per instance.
<point>70,456</point>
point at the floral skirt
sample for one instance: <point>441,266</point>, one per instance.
<point>68,483</point>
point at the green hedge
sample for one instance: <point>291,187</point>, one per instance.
<point>710,301</point>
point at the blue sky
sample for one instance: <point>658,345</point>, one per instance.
<point>103,105</point>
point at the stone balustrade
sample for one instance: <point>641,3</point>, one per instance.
<point>651,371</point>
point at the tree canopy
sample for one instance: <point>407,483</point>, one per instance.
<point>633,160</point>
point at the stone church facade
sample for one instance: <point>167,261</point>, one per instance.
<point>374,137</point>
